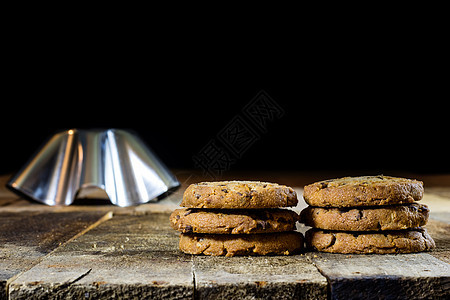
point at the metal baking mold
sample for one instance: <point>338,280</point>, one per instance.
<point>113,160</point>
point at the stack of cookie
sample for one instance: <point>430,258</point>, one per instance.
<point>368,214</point>
<point>238,218</point>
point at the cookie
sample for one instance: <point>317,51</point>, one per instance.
<point>233,221</point>
<point>399,241</point>
<point>238,195</point>
<point>284,243</point>
<point>363,191</point>
<point>394,217</point>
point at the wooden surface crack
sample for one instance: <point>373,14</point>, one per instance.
<point>68,284</point>
<point>310,260</point>
<point>38,235</point>
<point>194,288</point>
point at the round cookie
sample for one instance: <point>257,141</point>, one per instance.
<point>238,195</point>
<point>363,191</point>
<point>284,243</point>
<point>233,221</point>
<point>400,241</point>
<point>394,217</point>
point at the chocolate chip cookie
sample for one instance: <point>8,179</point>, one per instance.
<point>284,243</point>
<point>363,191</point>
<point>399,241</point>
<point>238,195</point>
<point>394,217</point>
<point>233,221</point>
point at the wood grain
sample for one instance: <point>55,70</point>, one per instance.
<point>27,237</point>
<point>402,276</point>
<point>125,257</point>
<point>72,252</point>
<point>291,277</point>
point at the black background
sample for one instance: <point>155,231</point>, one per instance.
<point>372,104</point>
<point>325,126</point>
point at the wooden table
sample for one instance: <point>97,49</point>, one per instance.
<point>102,251</point>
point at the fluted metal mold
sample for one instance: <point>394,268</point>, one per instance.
<point>114,160</point>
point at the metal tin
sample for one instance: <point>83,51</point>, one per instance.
<point>113,160</point>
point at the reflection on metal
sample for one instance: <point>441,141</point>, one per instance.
<point>113,160</point>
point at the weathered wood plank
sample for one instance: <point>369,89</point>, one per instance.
<point>125,257</point>
<point>138,255</point>
<point>5,201</point>
<point>27,237</point>
<point>147,275</point>
<point>406,276</point>
<point>439,206</point>
<point>280,277</point>
<point>440,232</point>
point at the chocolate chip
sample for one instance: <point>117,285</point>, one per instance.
<point>250,194</point>
<point>177,217</point>
<point>424,209</point>
<point>225,190</point>
<point>197,196</point>
<point>262,224</point>
<point>188,229</point>
<point>323,185</point>
<point>360,215</point>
